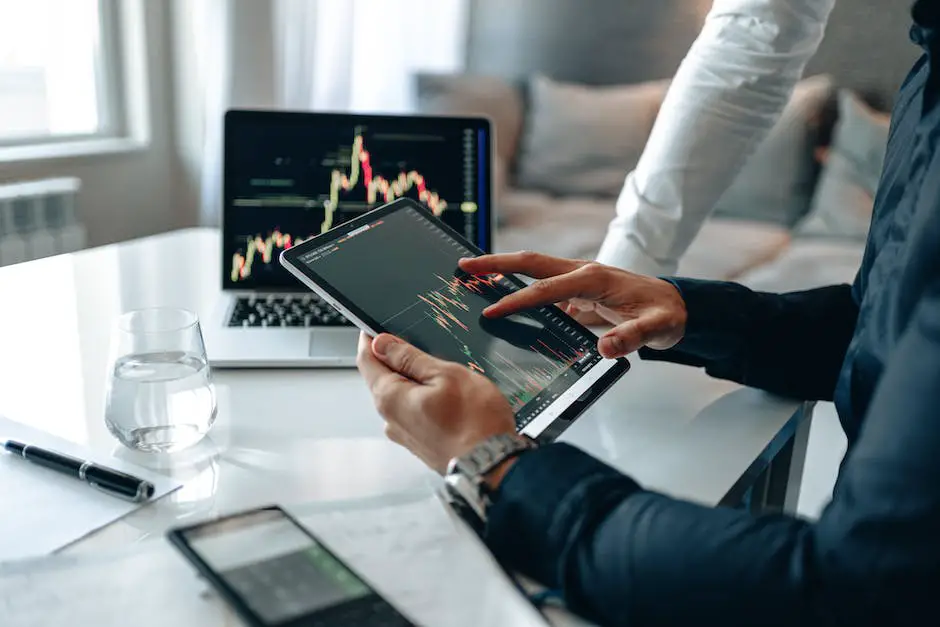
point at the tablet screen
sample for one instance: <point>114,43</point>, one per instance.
<point>399,273</point>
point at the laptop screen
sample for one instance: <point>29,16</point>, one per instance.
<point>289,176</point>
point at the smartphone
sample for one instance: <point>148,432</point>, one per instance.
<point>275,573</point>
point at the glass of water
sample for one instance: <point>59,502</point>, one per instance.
<point>160,395</point>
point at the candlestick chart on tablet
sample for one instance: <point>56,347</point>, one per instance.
<point>406,278</point>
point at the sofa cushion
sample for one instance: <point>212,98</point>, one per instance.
<point>861,134</point>
<point>472,95</point>
<point>844,199</point>
<point>806,264</point>
<point>776,184</point>
<point>583,140</point>
<point>725,248</point>
<point>564,227</point>
<point>575,227</point>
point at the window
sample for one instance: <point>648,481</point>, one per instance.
<point>58,71</point>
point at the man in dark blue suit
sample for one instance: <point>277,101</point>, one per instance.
<point>624,555</point>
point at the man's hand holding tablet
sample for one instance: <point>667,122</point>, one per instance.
<point>396,270</point>
<point>436,409</point>
<point>646,311</point>
<point>440,410</point>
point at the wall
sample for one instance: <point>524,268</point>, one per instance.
<point>156,189</point>
<point>587,41</point>
<point>867,46</point>
<point>616,41</point>
<point>129,194</point>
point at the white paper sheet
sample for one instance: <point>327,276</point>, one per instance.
<point>44,510</point>
<point>423,558</point>
<point>414,553</point>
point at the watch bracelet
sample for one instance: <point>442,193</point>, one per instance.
<point>486,466</point>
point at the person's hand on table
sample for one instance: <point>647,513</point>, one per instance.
<point>646,311</point>
<point>436,409</point>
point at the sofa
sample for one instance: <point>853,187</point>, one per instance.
<point>796,217</point>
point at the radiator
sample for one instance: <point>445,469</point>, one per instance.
<point>39,219</point>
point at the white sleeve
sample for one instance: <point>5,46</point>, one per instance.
<point>726,96</point>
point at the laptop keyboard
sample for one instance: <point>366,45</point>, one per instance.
<point>287,310</point>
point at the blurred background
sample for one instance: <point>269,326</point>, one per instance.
<point>127,95</point>
<point>111,120</point>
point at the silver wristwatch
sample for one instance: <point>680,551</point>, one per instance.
<point>464,479</point>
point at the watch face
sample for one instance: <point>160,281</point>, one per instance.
<point>464,478</point>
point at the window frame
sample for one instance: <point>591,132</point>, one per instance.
<point>113,98</point>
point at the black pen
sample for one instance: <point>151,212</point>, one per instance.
<point>114,482</point>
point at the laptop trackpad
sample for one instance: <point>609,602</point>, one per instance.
<point>333,342</point>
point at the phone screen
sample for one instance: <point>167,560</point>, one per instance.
<point>278,570</point>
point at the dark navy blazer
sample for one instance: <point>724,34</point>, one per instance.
<point>624,555</point>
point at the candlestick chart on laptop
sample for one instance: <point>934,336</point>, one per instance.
<point>285,185</point>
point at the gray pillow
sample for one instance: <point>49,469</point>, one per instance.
<point>476,95</point>
<point>842,205</point>
<point>583,140</point>
<point>861,136</point>
<point>466,94</point>
<point>776,184</point>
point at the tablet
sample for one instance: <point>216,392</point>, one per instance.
<point>394,270</point>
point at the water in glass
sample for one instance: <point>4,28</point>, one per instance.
<point>160,395</point>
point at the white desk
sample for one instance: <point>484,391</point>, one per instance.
<point>304,437</point>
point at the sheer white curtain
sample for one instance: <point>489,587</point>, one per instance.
<point>346,55</point>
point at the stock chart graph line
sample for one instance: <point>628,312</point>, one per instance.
<point>530,384</point>
<point>452,307</point>
<point>573,358</point>
<point>443,301</point>
<point>441,314</point>
<point>524,386</point>
<point>264,247</point>
<point>546,359</point>
<point>529,380</point>
<point>375,185</point>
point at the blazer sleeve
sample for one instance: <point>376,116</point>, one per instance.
<point>790,344</point>
<point>622,555</point>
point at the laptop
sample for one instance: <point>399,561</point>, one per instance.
<point>289,176</point>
